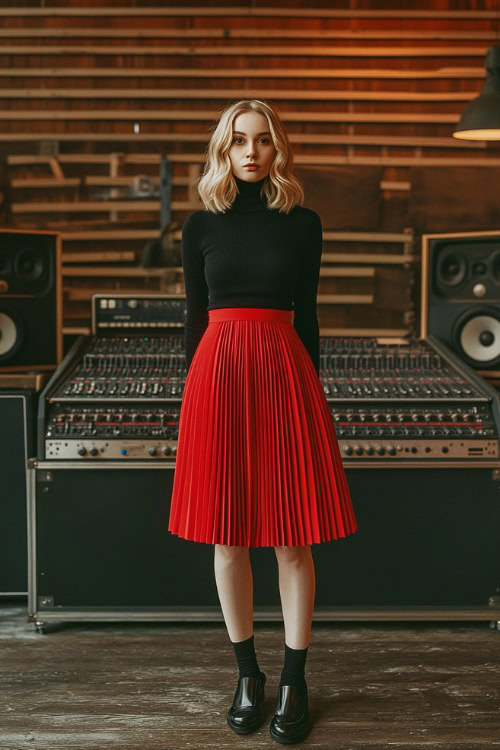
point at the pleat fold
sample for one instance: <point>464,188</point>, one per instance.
<point>258,462</point>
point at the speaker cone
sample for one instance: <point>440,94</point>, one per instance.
<point>478,336</point>
<point>29,265</point>
<point>451,268</point>
<point>9,335</point>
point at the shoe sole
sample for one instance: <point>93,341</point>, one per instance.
<point>243,730</point>
<point>291,740</point>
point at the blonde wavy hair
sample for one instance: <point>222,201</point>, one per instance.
<point>217,187</point>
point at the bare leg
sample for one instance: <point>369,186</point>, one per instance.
<point>297,582</point>
<point>233,577</point>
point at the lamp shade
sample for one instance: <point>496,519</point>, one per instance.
<point>480,120</point>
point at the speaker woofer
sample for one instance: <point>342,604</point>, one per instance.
<point>29,265</point>
<point>10,336</point>
<point>451,268</point>
<point>477,336</point>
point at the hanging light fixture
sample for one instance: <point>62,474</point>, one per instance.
<point>480,120</point>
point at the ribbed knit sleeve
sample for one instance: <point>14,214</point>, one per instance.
<point>305,319</point>
<point>196,288</point>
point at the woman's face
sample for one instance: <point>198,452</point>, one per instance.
<point>252,144</point>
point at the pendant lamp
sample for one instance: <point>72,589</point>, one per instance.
<point>480,120</point>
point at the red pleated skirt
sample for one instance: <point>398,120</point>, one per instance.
<point>258,463</point>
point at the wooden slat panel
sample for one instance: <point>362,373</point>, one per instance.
<point>390,118</point>
<point>50,32</point>
<point>309,159</point>
<point>76,330</point>
<point>99,256</point>
<point>330,272</point>
<point>260,50</point>
<point>214,93</point>
<point>328,236</point>
<point>391,141</point>
<point>443,60</point>
<point>46,182</point>
<point>110,234</point>
<point>345,299</point>
<point>116,271</point>
<point>249,12</point>
<point>77,294</point>
<point>62,115</point>
<point>376,331</point>
<point>393,237</point>
<point>85,206</point>
<point>238,73</point>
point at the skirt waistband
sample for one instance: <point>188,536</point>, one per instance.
<point>250,313</point>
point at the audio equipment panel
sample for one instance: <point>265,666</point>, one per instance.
<point>418,434</point>
<point>18,404</point>
<point>104,432</point>
<point>407,399</point>
<point>112,314</point>
<point>460,296</point>
<point>100,549</point>
<point>119,392</point>
<point>30,300</point>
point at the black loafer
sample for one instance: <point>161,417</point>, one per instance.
<point>244,714</point>
<point>291,721</point>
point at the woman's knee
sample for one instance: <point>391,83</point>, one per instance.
<point>230,553</point>
<point>292,554</point>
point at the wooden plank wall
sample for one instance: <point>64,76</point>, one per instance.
<point>92,96</point>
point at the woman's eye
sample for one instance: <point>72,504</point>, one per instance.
<point>237,138</point>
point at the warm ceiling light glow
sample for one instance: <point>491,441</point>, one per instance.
<point>480,120</point>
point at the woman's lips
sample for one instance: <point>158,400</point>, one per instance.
<point>251,167</point>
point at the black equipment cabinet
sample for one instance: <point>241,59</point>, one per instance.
<point>426,547</point>
<point>17,443</point>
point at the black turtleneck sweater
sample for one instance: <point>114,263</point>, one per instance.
<point>251,256</point>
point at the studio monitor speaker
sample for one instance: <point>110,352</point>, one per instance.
<point>460,295</point>
<point>30,300</point>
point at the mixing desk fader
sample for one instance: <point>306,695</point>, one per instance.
<point>118,393</point>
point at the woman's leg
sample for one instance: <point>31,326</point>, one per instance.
<point>233,576</point>
<point>234,580</point>
<point>291,721</point>
<point>297,582</point>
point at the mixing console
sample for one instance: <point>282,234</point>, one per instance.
<point>119,395</point>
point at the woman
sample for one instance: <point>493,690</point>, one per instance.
<point>258,462</point>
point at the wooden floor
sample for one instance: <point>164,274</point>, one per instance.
<point>149,686</point>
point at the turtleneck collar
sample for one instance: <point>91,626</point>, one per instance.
<point>248,198</point>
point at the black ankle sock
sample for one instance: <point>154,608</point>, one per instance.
<point>246,658</point>
<point>294,668</point>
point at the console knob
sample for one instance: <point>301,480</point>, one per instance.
<point>82,451</point>
<point>152,451</point>
<point>93,451</point>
